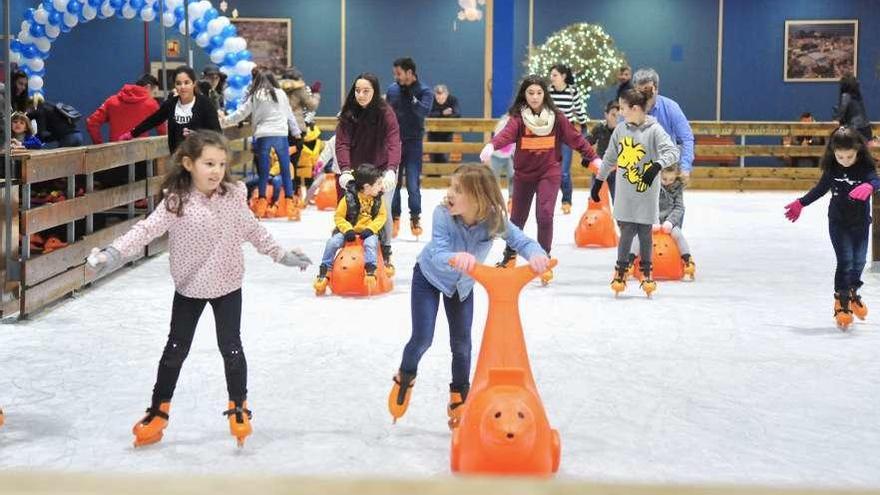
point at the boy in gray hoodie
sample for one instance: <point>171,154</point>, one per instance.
<point>639,148</point>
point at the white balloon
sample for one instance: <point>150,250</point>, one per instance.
<point>196,10</point>
<point>244,67</point>
<point>14,58</point>
<point>217,55</point>
<point>147,14</point>
<point>234,44</point>
<point>35,83</point>
<point>232,94</point>
<point>41,15</point>
<point>25,37</point>
<point>70,20</point>
<point>25,26</point>
<point>60,5</point>
<point>203,39</point>
<point>88,12</point>
<point>107,10</point>
<point>217,25</point>
<point>229,71</point>
<point>35,64</point>
<point>43,44</point>
<point>128,11</point>
<point>53,32</point>
<point>168,19</point>
<point>173,4</point>
<point>182,28</point>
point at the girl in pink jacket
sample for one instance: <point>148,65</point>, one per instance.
<point>207,219</point>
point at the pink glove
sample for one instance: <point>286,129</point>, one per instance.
<point>655,227</point>
<point>539,263</point>
<point>486,153</point>
<point>793,210</point>
<point>862,191</point>
<point>126,136</point>
<point>667,226</point>
<point>318,168</point>
<point>463,262</point>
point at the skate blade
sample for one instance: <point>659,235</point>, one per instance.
<point>141,442</point>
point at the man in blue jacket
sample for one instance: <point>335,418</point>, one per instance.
<point>411,100</point>
<point>669,116</point>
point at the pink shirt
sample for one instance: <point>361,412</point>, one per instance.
<point>205,243</point>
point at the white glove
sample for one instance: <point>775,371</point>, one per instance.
<point>345,178</point>
<point>104,261</point>
<point>389,180</point>
<point>486,153</point>
<point>296,258</point>
<point>667,226</point>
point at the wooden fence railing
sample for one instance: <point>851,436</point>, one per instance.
<point>48,277</point>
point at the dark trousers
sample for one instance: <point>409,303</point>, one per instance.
<point>851,248</point>
<point>424,303</point>
<point>440,137</point>
<point>411,170</point>
<point>546,189</point>
<point>628,232</point>
<point>185,313</point>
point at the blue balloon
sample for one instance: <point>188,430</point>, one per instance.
<point>178,14</point>
<point>64,28</point>
<point>29,14</point>
<point>56,18</point>
<point>136,4</point>
<point>244,55</point>
<point>15,45</point>
<point>156,8</point>
<point>48,5</point>
<point>37,30</point>
<point>216,42</point>
<point>237,82</point>
<point>210,15</point>
<point>229,31</point>
<point>116,4</point>
<point>199,25</point>
<point>230,59</point>
<point>96,3</point>
<point>74,7</point>
<point>29,51</point>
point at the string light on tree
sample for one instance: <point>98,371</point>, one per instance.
<point>585,48</point>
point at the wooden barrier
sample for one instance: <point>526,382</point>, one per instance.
<point>49,277</point>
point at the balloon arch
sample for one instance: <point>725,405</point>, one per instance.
<point>215,33</point>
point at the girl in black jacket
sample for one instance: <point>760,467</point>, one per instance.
<point>188,111</point>
<point>850,111</point>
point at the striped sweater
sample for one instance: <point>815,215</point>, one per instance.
<point>569,102</point>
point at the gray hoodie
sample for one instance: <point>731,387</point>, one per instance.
<point>672,202</point>
<point>631,148</point>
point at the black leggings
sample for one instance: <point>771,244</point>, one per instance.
<point>185,313</point>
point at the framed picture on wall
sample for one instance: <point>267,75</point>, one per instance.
<point>268,39</point>
<point>817,51</point>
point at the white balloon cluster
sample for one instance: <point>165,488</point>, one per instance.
<point>211,31</point>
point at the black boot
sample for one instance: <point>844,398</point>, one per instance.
<point>386,258</point>
<point>457,397</point>
<point>648,285</point>
<point>509,258</point>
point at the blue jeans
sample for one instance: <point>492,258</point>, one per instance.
<point>336,242</point>
<point>424,303</point>
<point>851,248</point>
<point>411,168</point>
<point>261,150</point>
<point>566,174</point>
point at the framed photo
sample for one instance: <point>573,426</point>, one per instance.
<point>172,48</point>
<point>268,39</point>
<point>820,51</point>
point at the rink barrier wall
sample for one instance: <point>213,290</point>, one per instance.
<point>45,278</point>
<point>44,483</point>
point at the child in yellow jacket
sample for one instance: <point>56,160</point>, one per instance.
<point>360,212</point>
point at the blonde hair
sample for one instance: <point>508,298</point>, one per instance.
<point>479,184</point>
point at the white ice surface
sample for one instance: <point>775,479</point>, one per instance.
<point>739,377</point>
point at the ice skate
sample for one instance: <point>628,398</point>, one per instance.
<point>618,283</point>
<point>239,420</point>
<point>321,281</point>
<point>260,207</point>
<point>415,226</point>
<point>453,409</point>
<point>149,429</point>
<point>648,285</point>
<point>508,260</point>
<point>690,268</point>
<point>395,228</point>
<point>566,208</point>
<point>858,307</point>
<point>398,399</point>
<point>842,313</point>
<point>370,278</point>
<point>2,420</point>
<point>546,277</point>
<point>386,260</point>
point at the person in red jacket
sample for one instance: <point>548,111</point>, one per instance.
<point>126,109</point>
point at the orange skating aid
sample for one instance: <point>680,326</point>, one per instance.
<point>666,258</point>
<point>239,421</point>
<point>325,198</point>
<point>401,391</point>
<point>348,277</point>
<point>149,429</point>
<point>842,313</point>
<point>858,307</point>
<point>596,227</point>
<point>503,427</point>
<point>2,419</point>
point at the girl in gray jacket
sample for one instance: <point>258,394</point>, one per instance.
<point>639,148</point>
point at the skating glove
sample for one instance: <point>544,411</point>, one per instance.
<point>594,189</point>
<point>486,153</point>
<point>296,258</point>
<point>862,191</point>
<point>345,178</point>
<point>649,173</point>
<point>126,136</point>
<point>389,180</point>
<point>667,226</point>
<point>366,233</point>
<point>350,236</point>
<point>793,210</point>
<point>540,263</point>
<point>463,262</point>
<point>655,227</point>
<point>104,261</point>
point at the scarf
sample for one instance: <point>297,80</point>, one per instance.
<point>541,125</point>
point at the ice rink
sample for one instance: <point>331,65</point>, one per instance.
<point>739,377</point>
